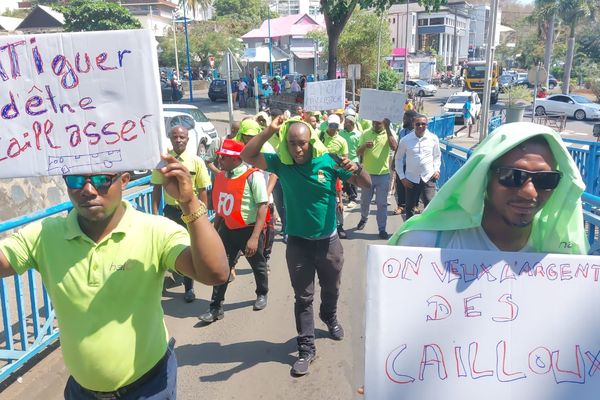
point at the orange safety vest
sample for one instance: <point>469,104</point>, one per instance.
<point>227,196</point>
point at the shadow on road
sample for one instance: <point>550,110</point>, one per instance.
<point>247,355</point>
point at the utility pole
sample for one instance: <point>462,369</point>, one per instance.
<point>379,49</point>
<point>187,46</point>
<point>489,58</point>
<point>229,94</point>
<point>175,43</point>
<point>406,49</point>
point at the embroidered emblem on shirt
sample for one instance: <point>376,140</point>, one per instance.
<point>320,176</point>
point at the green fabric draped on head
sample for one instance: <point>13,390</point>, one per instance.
<point>248,127</point>
<point>557,227</point>
<point>318,148</point>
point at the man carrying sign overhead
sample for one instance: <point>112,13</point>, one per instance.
<point>519,191</point>
<point>103,265</point>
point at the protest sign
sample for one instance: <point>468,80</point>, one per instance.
<point>325,95</point>
<point>79,103</point>
<point>375,105</point>
<point>462,324</point>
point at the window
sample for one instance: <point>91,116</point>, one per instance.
<point>394,20</point>
<point>423,22</point>
<point>393,40</point>
<point>414,19</point>
<point>436,21</point>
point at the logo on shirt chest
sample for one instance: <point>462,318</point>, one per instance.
<point>321,176</point>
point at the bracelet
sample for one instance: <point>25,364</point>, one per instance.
<point>359,170</point>
<point>188,219</point>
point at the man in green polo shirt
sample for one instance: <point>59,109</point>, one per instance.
<point>103,266</point>
<point>352,136</point>
<point>308,176</point>
<point>374,148</point>
<point>179,139</point>
<point>337,145</point>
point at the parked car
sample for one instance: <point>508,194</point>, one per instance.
<point>575,106</point>
<point>522,79</point>
<point>552,82</point>
<point>419,87</point>
<point>455,103</point>
<point>202,131</point>
<point>167,92</point>
<point>507,81</point>
<point>217,90</point>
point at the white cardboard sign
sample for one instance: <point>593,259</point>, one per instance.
<point>376,105</point>
<point>459,324</point>
<point>325,95</point>
<point>79,103</point>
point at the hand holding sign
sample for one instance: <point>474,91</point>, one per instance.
<point>177,180</point>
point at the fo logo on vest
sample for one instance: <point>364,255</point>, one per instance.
<point>225,205</point>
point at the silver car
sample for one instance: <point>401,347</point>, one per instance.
<point>419,87</point>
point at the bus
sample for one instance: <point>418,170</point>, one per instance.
<point>473,74</point>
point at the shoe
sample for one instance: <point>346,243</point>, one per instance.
<point>335,329</point>
<point>212,315</point>
<point>352,204</point>
<point>301,365</point>
<point>361,225</point>
<point>189,296</point>
<point>384,235</point>
<point>260,303</point>
<point>341,233</point>
<point>399,211</point>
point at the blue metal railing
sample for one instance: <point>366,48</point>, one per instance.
<point>442,125</point>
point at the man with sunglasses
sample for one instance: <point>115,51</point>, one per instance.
<point>103,265</point>
<point>179,139</point>
<point>519,191</point>
<point>418,161</point>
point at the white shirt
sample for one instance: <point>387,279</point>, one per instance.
<point>471,239</point>
<point>422,157</point>
<point>242,85</point>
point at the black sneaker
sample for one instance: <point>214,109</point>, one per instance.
<point>260,303</point>
<point>361,225</point>
<point>333,326</point>
<point>189,296</point>
<point>212,315</point>
<point>341,233</point>
<point>300,367</point>
<point>384,235</point>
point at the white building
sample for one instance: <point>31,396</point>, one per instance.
<point>291,7</point>
<point>397,20</point>
<point>480,22</point>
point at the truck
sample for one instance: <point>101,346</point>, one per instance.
<point>473,74</point>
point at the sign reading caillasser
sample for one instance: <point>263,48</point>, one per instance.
<point>79,103</point>
<point>461,324</point>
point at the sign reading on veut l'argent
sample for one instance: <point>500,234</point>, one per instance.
<point>461,324</point>
<point>79,103</point>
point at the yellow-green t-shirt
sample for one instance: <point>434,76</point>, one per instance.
<point>376,160</point>
<point>196,166</point>
<point>336,144</point>
<point>107,295</point>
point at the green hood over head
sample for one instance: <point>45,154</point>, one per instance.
<point>557,227</point>
<point>318,148</point>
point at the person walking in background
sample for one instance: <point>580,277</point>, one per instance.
<point>408,125</point>
<point>418,163</point>
<point>337,145</point>
<point>352,137</point>
<point>374,147</point>
<point>201,181</point>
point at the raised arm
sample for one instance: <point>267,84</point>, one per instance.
<point>251,153</point>
<point>205,259</point>
<point>390,135</point>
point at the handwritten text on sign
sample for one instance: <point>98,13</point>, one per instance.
<point>457,324</point>
<point>325,95</point>
<point>78,103</point>
<point>376,105</point>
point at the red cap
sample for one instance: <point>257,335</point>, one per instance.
<point>231,148</point>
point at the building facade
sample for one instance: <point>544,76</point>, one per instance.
<point>479,25</point>
<point>292,7</point>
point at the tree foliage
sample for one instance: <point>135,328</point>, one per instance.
<point>90,15</point>
<point>253,11</point>
<point>388,78</point>
<point>338,12</point>
<point>206,38</point>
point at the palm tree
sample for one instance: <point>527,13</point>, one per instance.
<point>545,15</point>
<point>195,4</point>
<point>572,12</point>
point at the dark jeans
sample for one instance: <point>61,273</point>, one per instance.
<point>174,214</point>
<point>159,383</point>
<point>400,192</point>
<point>278,198</point>
<point>234,241</point>
<point>351,191</point>
<point>304,258</point>
<point>427,189</point>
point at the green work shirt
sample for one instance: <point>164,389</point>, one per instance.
<point>352,139</point>
<point>376,160</point>
<point>309,194</point>
<point>255,192</point>
<point>196,166</point>
<point>336,144</point>
<point>107,295</point>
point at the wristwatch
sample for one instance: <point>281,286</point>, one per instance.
<point>359,170</point>
<point>202,210</point>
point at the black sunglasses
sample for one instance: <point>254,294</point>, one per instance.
<point>515,178</point>
<point>102,182</point>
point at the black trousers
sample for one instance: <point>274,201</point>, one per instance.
<point>304,258</point>
<point>174,214</point>
<point>351,191</point>
<point>425,190</point>
<point>235,241</point>
<point>400,191</point>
